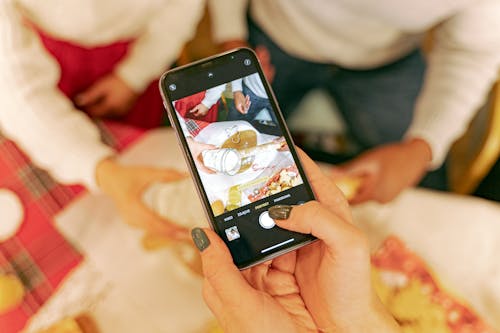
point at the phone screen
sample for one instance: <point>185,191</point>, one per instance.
<point>239,150</point>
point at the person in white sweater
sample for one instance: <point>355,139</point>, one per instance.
<point>250,97</point>
<point>403,110</point>
<point>42,117</point>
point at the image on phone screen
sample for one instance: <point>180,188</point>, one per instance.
<point>240,150</point>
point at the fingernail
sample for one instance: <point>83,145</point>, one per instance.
<point>200,239</point>
<point>280,212</point>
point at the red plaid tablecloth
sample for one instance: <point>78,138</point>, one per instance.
<point>38,254</point>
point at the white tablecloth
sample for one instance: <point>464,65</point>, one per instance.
<point>135,291</point>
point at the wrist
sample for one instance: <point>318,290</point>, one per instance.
<point>375,320</point>
<point>420,148</point>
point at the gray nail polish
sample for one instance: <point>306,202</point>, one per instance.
<point>200,239</point>
<point>280,212</point>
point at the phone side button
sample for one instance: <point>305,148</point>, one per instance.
<point>266,221</point>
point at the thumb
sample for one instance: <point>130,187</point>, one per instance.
<point>219,270</point>
<point>316,219</point>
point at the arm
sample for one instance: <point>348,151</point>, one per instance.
<point>160,43</point>
<point>237,85</point>
<point>61,139</point>
<point>212,95</point>
<point>228,20</point>
<point>462,67</point>
<point>35,114</point>
<point>241,102</point>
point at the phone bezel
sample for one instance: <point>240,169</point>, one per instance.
<point>208,65</point>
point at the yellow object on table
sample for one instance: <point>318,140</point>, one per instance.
<point>411,306</point>
<point>11,292</point>
<point>80,324</point>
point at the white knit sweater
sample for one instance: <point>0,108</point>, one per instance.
<point>40,118</point>
<point>364,34</point>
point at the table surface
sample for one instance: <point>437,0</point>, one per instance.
<point>459,237</point>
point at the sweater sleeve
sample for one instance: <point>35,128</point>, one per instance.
<point>237,85</point>
<point>35,114</point>
<point>463,65</point>
<point>159,45</point>
<point>212,95</point>
<point>228,20</point>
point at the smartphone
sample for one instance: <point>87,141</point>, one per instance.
<point>239,151</point>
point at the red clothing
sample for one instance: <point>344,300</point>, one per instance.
<point>38,254</point>
<point>184,105</point>
<point>81,67</point>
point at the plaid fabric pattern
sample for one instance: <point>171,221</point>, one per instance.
<point>38,255</point>
<point>195,126</point>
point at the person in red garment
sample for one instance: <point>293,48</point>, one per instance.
<point>202,106</point>
<point>63,63</point>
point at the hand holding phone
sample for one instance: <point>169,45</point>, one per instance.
<point>241,165</point>
<point>325,286</point>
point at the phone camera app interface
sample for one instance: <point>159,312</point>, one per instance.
<point>243,161</point>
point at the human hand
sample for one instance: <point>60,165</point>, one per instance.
<point>237,304</point>
<point>241,102</point>
<point>199,110</point>
<point>126,184</point>
<point>333,274</point>
<point>108,97</point>
<point>196,149</point>
<point>324,286</point>
<point>389,169</point>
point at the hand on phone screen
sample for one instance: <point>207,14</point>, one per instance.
<point>241,102</point>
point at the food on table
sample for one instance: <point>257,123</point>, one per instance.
<point>153,242</point>
<point>241,139</point>
<point>217,207</point>
<point>233,198</point>
<point>11,293</point>
<point>164,199</point>
<point>349,186</point>
<point>412,295</point>
<point>284,179</point>
<point>83,323</point>
<point>263,148</point>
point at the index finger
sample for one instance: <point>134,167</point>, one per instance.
<point>219,270</point>
<point>314,218</point>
